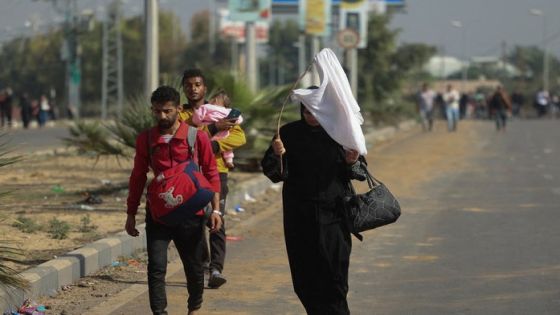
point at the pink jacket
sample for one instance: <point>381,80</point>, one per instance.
<point>209,113</point>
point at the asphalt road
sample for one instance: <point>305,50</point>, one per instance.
<point>479,234</point>
<point>36,139</point>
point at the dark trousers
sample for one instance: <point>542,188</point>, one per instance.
<point>218,239</point>
<point>188,238</point>
<point>318,246</point>
<point>6,113</point>
<point>501,119</point>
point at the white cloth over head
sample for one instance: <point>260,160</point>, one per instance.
<point>333,104</point>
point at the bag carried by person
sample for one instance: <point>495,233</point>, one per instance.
<point>370,210</point>
<point>180,192</point>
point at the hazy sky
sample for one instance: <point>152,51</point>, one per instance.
<point>486,23</point>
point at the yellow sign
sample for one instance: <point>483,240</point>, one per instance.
<point>315,18</point>
<point>352,4</point>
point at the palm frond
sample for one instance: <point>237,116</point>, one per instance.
<point>93,138</point>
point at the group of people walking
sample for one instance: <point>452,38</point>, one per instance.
<point>317,238</point>
<point>499,106</point>
<point>41,110</point>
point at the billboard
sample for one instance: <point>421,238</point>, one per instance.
<point>249,10</point>
<point>315,17</point>
<point>236,30</point>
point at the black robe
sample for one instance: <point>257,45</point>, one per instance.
<point>315,177</point>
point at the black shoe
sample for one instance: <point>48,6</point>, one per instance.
<point>216,280</point>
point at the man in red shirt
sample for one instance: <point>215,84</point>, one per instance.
<point>169,147</point>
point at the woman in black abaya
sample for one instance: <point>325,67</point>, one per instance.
<point>316,173</point>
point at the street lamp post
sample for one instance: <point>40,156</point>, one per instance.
<point>537,12</point>
<point>460,25</point>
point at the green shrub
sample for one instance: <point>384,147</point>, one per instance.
<point>58,229</point>
<point>25,224</point>
<point>85,225</point>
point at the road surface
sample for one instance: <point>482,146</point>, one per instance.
<point>479,234</point>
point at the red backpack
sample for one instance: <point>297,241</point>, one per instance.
<point>180,192</point>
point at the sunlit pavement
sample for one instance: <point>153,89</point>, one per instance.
<point>478,235</point>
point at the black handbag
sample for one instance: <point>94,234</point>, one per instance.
<point>375,208</point>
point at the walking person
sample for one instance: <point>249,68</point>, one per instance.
<point>25,109</point>
<point>316,172</point>
<point>425,106</point>
<point>500,106</point>
<point>194,87</point>
<point>44,110</point>
<point>542,100</point>
<point>6,101</point>
<point>161,148</point>
<point>451,99</point>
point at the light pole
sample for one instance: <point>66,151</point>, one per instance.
<point>537,12</point>
<point>460,25</point>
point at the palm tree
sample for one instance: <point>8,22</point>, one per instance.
<point>8,277</point>
<point>260,111</point>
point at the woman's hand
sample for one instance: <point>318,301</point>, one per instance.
<point>351,156</point>
<point>278,146</point>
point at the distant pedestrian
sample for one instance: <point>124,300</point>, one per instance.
<point>542,100</point>
<point>25,110</point>
<point>517,102</point>
<point>44,110</point>
<point>168,142</point>
<point>555,106</point>
<point>451,99</point>
<point>425,106</point>
<point>6,100</point>
<point>463,103</point>
<point>500,106</point>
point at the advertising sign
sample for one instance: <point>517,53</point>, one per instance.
<point>234,29</point>
<point>315,17</point>
<point>249,10</point>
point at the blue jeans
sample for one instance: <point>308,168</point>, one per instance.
<point>452,118</point>
<point>189,241</point>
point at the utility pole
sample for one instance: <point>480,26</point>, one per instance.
<point>71,54</point>
<point>315,47</point>
<point>152,52</point>
<point>251,55</point>
<point>74,24</point>
<point>112,76</point>
<point>212,26</point>
<point>545,76</point>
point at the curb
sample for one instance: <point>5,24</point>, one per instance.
<point>47,278</point>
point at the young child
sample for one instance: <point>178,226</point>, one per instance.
<point>217,109</point>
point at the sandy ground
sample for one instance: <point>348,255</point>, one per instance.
<point>56,186</point>
<point>404,164</point>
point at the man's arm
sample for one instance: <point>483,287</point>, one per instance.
<point>235,139</point>
<point>207,163</point>
<point>136,182</point>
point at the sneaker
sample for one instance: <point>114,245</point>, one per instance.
<point>216,280</point>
